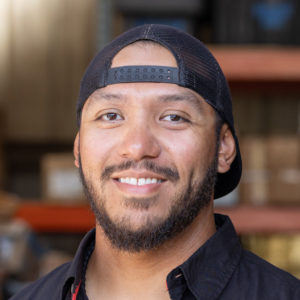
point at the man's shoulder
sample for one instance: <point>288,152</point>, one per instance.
<point>47,287</point>
<point>257,265</point>
<point>264,280</point>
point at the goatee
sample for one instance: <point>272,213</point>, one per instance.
<point>184,209</point>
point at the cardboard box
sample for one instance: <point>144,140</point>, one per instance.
<point>283,152</point>
<point>255,176</point>
<point>284,186</point>
<point>283,161</point>
<point>60,180</point>
<point>271,170</point>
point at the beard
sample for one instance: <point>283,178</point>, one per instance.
<point>184,209</point>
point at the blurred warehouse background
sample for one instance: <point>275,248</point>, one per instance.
<point>45,48</point>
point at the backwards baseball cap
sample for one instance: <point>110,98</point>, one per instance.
<point>197,70</point>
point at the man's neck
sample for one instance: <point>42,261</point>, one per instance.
<point>115,274</point>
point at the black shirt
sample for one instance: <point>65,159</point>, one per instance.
<point>220,269</point>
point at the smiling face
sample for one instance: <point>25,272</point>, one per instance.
<point>147,153</point>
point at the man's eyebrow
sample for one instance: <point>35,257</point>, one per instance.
<point>186,96</point>
<point>99,95</point>
<point>176,97</point>
<point>108,96</point>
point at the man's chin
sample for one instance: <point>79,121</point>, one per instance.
<point>140,205</point>
<point>132,234</point>
<point>138,223</point>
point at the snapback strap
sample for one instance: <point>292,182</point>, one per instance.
<point>143,74</point>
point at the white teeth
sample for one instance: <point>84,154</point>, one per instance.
<point>133,181</point>
<point>140,181</point>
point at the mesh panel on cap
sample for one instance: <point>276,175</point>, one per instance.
<point>198,70</point>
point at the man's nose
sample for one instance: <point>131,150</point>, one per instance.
<point>138,142</point>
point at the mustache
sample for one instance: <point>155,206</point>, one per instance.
<point>170,173</point>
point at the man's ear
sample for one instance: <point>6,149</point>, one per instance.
<point>227,150</point>
<point>76,150</point>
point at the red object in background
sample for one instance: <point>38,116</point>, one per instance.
<point>254,63</point>
<point>56,218</point>
<point>266,219</point>
<point>247,219</point>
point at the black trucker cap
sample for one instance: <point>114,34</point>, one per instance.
<point>197,70</point>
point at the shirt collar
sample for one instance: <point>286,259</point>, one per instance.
<point>205,273</point>
<point>209,269</point>
<point>75,271</point>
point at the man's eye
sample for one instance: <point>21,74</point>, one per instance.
<point>174,118</point>
<point>111,117</point>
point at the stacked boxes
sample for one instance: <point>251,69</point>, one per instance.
<point>284,165</point>
<point>60,179</point>
<point>271,170</point>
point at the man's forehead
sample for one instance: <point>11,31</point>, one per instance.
<point>156,91</point>
<point>174,92</point>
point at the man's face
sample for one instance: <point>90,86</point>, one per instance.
<point>147,154</point>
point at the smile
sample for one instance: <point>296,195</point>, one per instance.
<point>139,181</point>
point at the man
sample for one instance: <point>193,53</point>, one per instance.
<point>156,144</point>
